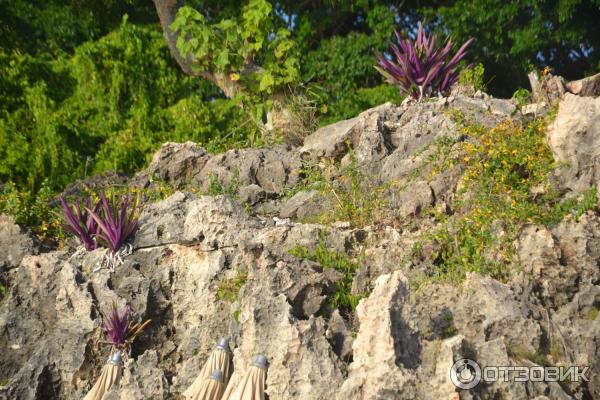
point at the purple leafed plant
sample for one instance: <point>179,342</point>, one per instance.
<point>117,223</point>
<point>116,324</point>
<point>422,67</point>
<point>80,222</point>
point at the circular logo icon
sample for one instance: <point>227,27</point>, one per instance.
<point>465,374</point>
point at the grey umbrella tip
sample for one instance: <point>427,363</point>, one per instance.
<point>115,358</point>
<point>223,344</point>
<point>260,361</point>
<point>217,375</point>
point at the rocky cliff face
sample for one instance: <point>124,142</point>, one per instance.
<point>401,340</point>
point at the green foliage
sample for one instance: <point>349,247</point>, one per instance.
<point>52,27</point>
<point>235,47</point>
<point>445,322</point>
<point>521,352</point>
<point>506,185</point>
<point>215,187</point>
<point>522,96</point>
<point>591,314</point>
<point>354,197</point>
<point>158,190</point>
<point>38,211</point>
<point>228,289</point>
<point>514,36</point>
<point>354,102</point>
<point>91,112</point>
<point>343,65</point>
<point>473,77</point>
<point>343,298</point>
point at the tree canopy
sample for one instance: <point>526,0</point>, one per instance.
<point>93,85</point>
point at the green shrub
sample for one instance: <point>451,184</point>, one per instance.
<point>39,211</point>
<point>505,166</point>
<point>522,96</point>
<point>228,289</point>
<point>89,112</point>
<point>473,77</point>
<point>342,299</point>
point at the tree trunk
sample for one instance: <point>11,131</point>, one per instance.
<point>167,12</point>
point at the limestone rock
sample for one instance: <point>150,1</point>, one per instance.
<point>574,138</point>
<point>331,140</point>
<point>411,200</point>
<point>535,109</point>
<point>14,244</point>
<point>304,204</point>
<point>588,86</point>
<point>383,345</point>
<point>177,163</point>
<point>210,266</point>
<point>47,343</point>
<point>251,194</point>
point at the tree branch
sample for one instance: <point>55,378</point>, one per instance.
<point>167,11</point>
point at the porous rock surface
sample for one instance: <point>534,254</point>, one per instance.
<point>401,342</point>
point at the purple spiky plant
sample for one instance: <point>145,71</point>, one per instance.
<point>80,222</point>
<point>116,324</point>
<point>422,67</point>
<point>117,223</point>
<point>118,327</point>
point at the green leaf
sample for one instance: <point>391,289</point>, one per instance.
<point>222,60</point>
<point>266,81</point>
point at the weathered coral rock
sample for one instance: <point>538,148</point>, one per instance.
<point>574,138</point>
<point>399,344</point>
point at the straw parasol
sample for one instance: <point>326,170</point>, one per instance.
<point>252,385</point>
<point>212,387</point>
<point>111,373</point>
<point>218,360</point>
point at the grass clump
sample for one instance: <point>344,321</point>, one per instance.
<point>3,291</point>
<point>231,189</point>
<point>228,289</point>
<point>520,352</point>
<point>591,314</point>
<point>354,197</point>
<point>506,185</point>
<point>343,298</point>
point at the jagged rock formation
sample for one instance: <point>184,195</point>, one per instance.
<point>400,344</point>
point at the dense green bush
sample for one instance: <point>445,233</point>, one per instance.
<point>92,111</point>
